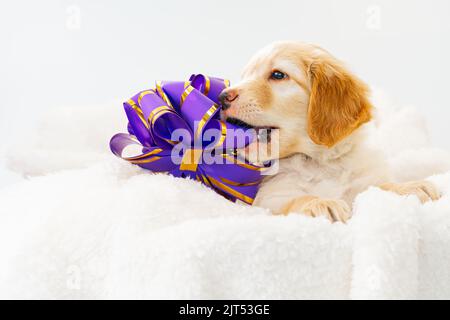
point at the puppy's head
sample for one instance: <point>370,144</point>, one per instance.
<point>301,90</point>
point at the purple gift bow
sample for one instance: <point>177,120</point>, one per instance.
<point>153,116</point>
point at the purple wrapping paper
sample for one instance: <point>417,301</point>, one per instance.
<point>156,116</point>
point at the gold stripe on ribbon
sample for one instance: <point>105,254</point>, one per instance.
<point>226,82</point>
<point>238,184</point>
<point>156,151</point>
<point>171,141</point>
<point>187,84</point>
<point>131,102</point>
<point>138,111</point>
<point>135,139</point>
<point>161,92</point>
<point>205,180</point>
<point>155,115</point>
<point>207,85</point>
<point>204,120</point>
<point>185,94</point>
<point>143,94</point>
<point>155,111</point>
<point>158,114</point>
<point>231,191</point>
<point>191,159</point>
<point>150,160</point>
<point>223,135</point>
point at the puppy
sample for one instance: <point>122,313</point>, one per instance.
<point>319,109</point>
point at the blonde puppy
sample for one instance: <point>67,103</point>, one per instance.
<point>320,109</point>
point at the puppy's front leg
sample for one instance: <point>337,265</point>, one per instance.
<point>424,190</point>
<point>334,210</point>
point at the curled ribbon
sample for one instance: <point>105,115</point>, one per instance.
<point>154,116</point>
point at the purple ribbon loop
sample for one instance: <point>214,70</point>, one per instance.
<point>154,117</point>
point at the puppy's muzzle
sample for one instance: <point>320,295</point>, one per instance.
<point>227,97</point>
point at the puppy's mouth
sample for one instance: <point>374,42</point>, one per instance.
<point>264,133</point>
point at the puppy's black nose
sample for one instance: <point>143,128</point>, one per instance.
<point>226,97</point>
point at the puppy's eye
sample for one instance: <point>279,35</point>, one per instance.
<point>278,75</point>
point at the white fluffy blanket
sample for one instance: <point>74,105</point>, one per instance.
<point>84,224</point>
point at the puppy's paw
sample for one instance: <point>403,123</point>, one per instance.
<point>334,210</point>
<point>424,190</point>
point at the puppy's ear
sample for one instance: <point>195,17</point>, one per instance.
<point>338,102</point>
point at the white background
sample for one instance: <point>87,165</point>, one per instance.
<point>87,52</point>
